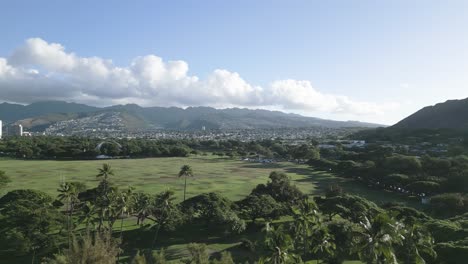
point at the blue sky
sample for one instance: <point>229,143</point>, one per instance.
<point>373,61</point>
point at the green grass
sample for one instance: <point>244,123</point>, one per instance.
<point>233,178</point>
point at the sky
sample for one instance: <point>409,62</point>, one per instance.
<point>374,61</point>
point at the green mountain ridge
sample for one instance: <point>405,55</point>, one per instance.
<point>452,114</point>
<point>38,116</point>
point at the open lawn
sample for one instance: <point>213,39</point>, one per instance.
<point>233,178</point>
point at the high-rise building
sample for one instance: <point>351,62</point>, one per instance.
<point>15,130</point>
<point>1,126</point>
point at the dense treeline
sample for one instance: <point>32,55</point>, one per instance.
<point>89,148</point>
<point>443,179</point>
<point>411,136</point>
<point>85,225</point>
<point>45,147</point>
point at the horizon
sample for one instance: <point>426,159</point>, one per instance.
<point>185,108</point>
<point>314,59</point>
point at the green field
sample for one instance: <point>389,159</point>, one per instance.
<point>233,178</point>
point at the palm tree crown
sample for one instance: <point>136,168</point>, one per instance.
<point>105,171</point>
<point>186,171</point>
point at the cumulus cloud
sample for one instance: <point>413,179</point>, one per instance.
<point>39,70</point>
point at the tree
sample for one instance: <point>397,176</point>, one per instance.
<point>104,193</point>
<point>322,242</point>
<point>225,258</point>
<point>449,204</point>
<point>213,208</point>
<point>403,164</point>
<point>305,217</point>
<point>164,213</point>
<point>87,215</point>
<point>279,245</point>
<point>185,171</point>
<point>280,188</point>
<point>258,206</point>
<point>4,180</point>
<point>29,222</point>
<point>350,207</point>
<point>141,207</point>
<point>198,253</point>
<point>122,207</point>
<point>148,257</point>
<point>377,239</point>
<point>342,232</point>
<point>69,194</point>
<point>105,171</point>
<point>418,243</point>
<point>100,248</point>
<point>306,152</point>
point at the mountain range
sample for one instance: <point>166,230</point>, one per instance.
<point>38,116</point>
<point>452,114</point>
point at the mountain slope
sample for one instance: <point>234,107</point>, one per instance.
<point>231,118</point>
<point>452,114</point>
<point>39,116</point>
<point>14,112</point>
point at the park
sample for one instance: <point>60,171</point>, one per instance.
<point>231,177</point>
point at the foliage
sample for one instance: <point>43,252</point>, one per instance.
<point>449,204</point>
<point>213,208</point>
<point>350,207</point>
<point>98,248</point>
<point>306,218</point>
<point>148,257</point>
<point>418,244</point>
<point>4,180</point>
<point>185,171</point>
<point>27,222</point>
<point>279,246</point>
<point>342,232</point>
<point>378,238</point>
<point>259,206</point>
<point>198,254</point>
<point>225,258</point>
<point>280,188</point>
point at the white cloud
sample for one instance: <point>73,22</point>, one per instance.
<point>39,70</point>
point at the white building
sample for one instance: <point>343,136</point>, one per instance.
<point>16,130</point>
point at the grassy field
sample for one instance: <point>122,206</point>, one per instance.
<point>233,178</point>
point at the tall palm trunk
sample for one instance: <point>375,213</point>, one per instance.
<point>185,186</point>
<point>155,236</point>
<point>121,236</point>
<point>68,224</point>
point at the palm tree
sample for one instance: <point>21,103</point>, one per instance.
<point>280,246</point>
<point>123,207</point>
<point>417,240</point>
<point>162,211</point>
<point>185,171</point>
<point>105,171</point>
<point>141,207</point>
<point>68,193</point>
<point>103,200</point>
<point>323,242</point>
<point>376,241</point>
<point>87,215</point>
<point>305,217</point>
